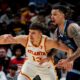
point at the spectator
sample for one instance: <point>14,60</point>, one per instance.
<point>18,59</point>
<point>4,60</point>
<point>12,72</point>
<point>2,74</point>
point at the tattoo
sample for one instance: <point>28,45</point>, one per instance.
<point>77,41</point>
<point>75,55</point>
<point>75,34</point>
<point>74,31</point>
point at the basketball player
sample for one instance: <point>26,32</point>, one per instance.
<point>37,47</point>
<point>68,32</point>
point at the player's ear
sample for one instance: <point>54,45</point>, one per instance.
<point>41,33</point>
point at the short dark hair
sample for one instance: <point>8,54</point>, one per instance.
<point>67,11</point>
<point>13,67</point>
<point>18,46</point>
<point>37,26</point>
<point>4,46</point>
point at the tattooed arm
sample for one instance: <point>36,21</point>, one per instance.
<point>74,32</point>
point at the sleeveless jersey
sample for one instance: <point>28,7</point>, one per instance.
<point>31,67</point>
<point>69,42</point>
<point>65,38</point>
<point>35,54</point>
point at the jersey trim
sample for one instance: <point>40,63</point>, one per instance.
<point>26,75</point>
<point>52,62</point>
<point>27,41</point>
<point>45,45</point>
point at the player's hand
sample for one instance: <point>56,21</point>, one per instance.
<point>6,36</point>
<point>68,66</point>
<point>60,63</point>
<point>64,64</point>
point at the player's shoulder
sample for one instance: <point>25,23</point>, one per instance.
<point>48,39</point>
<point>73,29</point>
<point>45,36</point>
<point>75,25</point>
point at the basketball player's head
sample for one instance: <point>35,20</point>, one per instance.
<point>35,31</point>
<point>59,13</point>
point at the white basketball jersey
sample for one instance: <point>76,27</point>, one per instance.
<point>35,54</point>
<point>31,67</point>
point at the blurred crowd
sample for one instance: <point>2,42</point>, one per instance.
<point>15,18</point>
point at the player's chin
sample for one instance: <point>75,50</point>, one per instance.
<point>54,23</point>
<point>31,38</point>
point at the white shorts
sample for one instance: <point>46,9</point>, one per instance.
<point>46,71</point>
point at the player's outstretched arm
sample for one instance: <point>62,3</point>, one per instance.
<point>50,43</point>
<point>4,39</point>
<point>9,39</point>
<point>74,32</point>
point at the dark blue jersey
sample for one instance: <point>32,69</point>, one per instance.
<point>69,42</point>
<point>65,38</point>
